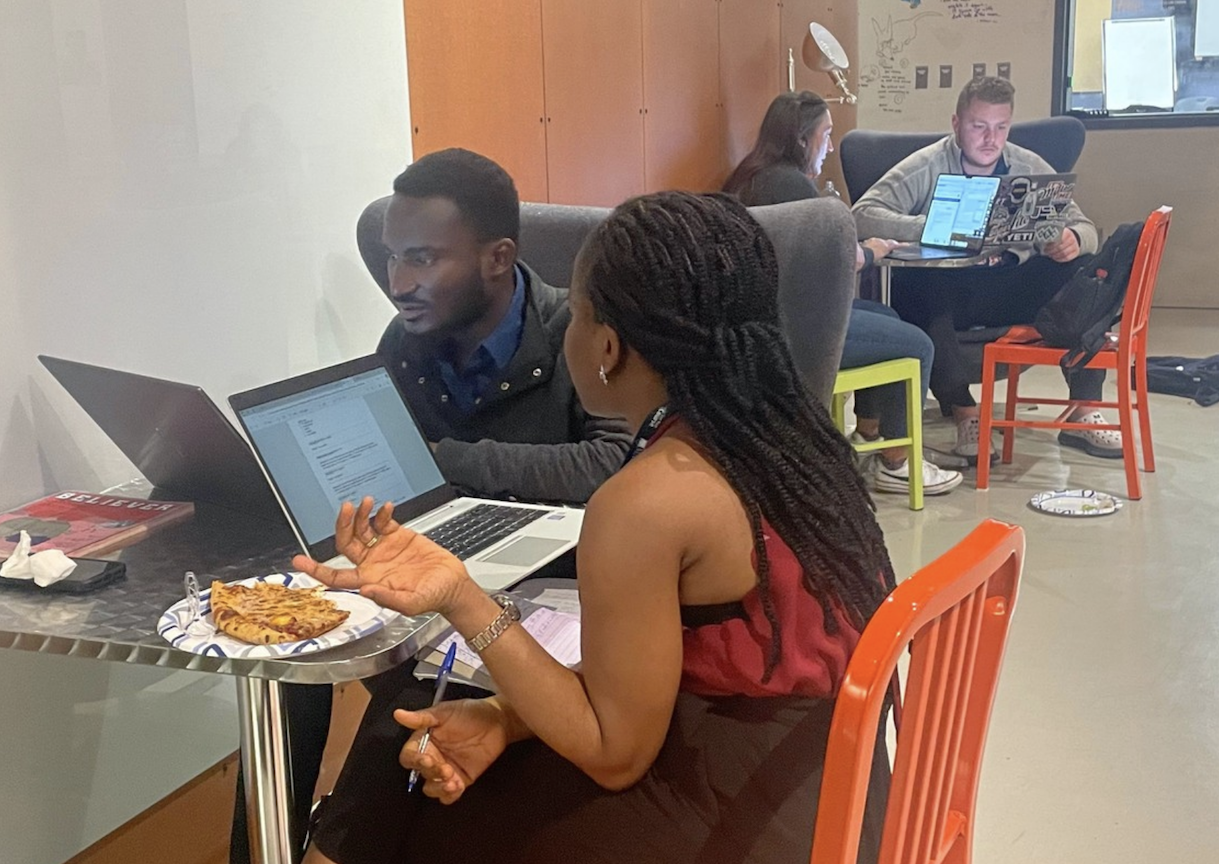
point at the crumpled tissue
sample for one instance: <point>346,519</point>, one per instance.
<point>45,568</point>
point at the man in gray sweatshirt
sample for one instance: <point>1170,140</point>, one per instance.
<point>943,301</point>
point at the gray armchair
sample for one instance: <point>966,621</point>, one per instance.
<point>814,241</point>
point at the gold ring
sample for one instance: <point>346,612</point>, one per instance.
<point>376,538</point>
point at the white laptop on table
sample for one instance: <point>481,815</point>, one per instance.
<point>344,432</point>
<point>957,221</point>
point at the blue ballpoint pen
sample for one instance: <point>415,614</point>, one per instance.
<point>442,681</point>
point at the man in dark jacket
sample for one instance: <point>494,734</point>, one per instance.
<point>477,348</point>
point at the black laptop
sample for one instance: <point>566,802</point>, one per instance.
<point>174,433</point>
<point>1030,208</point>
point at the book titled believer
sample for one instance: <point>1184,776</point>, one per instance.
<point>84,524</point>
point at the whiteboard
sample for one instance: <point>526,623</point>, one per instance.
<point>1140,61</point>
<point>1206,29</point>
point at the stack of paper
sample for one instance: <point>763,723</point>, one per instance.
<point>556,631</point>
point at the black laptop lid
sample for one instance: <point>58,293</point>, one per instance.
<point>1026,202</point>
<point>174,433</point>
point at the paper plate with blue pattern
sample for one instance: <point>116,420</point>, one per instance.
<point>1075,502</point>
<point>203,638</point>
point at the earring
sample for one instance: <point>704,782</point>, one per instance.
<point>601,374</point>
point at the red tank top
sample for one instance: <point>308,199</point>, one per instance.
<point>725,647</point>
<point>728,656</point>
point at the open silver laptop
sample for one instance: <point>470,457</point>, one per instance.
<point>957,220</point>
<point>344,432</point>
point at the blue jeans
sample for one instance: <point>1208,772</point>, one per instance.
<point>875,333</point>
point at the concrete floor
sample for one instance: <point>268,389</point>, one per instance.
<point>1104,745</point>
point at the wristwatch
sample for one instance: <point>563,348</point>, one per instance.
<point>509,613</point>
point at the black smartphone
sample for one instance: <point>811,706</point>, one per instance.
<point>89,575</point>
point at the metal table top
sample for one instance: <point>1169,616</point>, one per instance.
<point>118,622</point>
<point>943,263</point>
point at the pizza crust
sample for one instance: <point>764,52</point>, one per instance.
<point>267,614</point>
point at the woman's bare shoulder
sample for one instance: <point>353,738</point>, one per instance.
<point>672,482</point>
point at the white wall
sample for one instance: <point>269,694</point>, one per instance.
<point>179,184</point>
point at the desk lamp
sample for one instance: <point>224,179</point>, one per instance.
<point>821,51</point>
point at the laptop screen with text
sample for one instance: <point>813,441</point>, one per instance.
<point>340,441</point>
<point>960,211</point>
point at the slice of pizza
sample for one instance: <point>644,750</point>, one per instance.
<point>266,613</point>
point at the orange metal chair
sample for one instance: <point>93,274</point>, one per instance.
<point>955,614</point>
<point>1019,349</point>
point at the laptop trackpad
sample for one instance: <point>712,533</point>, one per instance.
<point>525,551</point>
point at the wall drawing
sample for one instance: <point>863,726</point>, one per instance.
<point>893,38</point>
<point>972,10</point>
<point>890,74</point>
<point>914,57</point>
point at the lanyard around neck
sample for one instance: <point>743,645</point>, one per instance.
<point>649,428</point>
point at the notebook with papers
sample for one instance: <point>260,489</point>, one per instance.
<point>344,432</point>
<point>957,220</point>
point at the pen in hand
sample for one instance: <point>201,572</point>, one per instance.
<point>442,681</point>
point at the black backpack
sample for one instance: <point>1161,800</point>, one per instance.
<point>1083,311</point>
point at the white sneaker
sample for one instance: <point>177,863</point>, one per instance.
<point>1102,443</point>
<point>969,431</point>
<point>936,481</point>
<point>863,461</point>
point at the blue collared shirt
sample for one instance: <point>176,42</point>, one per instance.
<point>492,356</point>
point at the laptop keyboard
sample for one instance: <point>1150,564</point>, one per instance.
<point>480,527</point>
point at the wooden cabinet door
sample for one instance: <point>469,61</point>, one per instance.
<point>753,70</point>
<point>594,100</point>
<point>843,23</point>
<point>683,144</point>
<point>474,69</point>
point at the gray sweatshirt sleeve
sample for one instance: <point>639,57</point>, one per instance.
<point>892,209</point>
<point>569,473</point>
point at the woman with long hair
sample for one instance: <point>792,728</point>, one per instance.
<point>789,154</point>
<point>725,574</point>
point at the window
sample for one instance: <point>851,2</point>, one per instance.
<point>1138,62</point>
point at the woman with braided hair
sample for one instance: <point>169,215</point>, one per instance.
<point>725,574</point>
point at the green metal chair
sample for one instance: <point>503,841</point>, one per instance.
<point>888,372</point>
